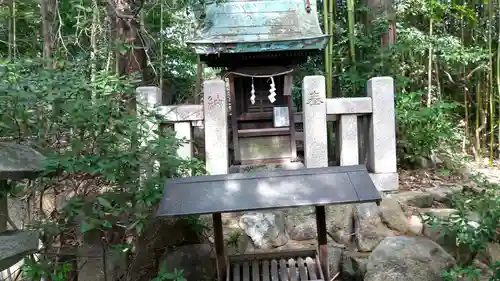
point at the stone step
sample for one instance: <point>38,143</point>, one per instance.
<point>14,245</point>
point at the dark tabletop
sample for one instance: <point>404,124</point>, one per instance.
<point>267,190</point>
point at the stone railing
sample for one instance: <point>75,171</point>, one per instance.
<point>184,117</point>
<point>378,106</point>
<point>381,144</point>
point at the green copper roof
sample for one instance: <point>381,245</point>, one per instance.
<point>236,26</point>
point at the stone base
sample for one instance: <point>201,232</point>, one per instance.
<point>265,167</point>
<point>271,147</point>
<point>14,245</point>
<point>386,182</point>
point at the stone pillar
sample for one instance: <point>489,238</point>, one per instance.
<point>216,131</point>
<point>314,118</point>
<point>183,130</point>
<point>316,149</point>
<point>382,140</point>
<point>348,140</point>
<point>216,152</point>
<point>148,97</point>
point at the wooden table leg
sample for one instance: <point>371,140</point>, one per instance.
<point>219,246</point>
<point>322,240</point>
<point>4,210</point>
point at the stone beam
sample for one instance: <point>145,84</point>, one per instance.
<point>180,113</point>
<point>349,105</point>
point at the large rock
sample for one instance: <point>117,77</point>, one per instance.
<point>491,254</point>
<point>196,260</point>
<point>419,199</point>
<point>415,224</point>
<point>369,229</point>
<point>301,224</point>
<point>393,216</point>
<point>399,258</point>
<point>354,265</point>
<point>340,223</point>
<point>266,229</point>
<point>485,272</point>
<point>20,209</point>
<point>160,233</point>
<point>335,253</point>
<point>443,194</point>
<point>91,266</point>
<point>15,245</point>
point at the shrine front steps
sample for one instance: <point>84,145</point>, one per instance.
<point>15,245</point>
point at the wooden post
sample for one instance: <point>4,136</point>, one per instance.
<point>322,240</point>
<point>197,85</point>
<point>4,209</point>
<point>219,246</point>
<point>234,121</point>
<point>288,94</point>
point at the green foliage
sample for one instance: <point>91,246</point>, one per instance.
<point>80,115</point>
<point>234,238</point>
<point>462,273</point>
<point>477,218</point>
<point>40,270</point>
<point>164,275</point>
<point>475,224</point>
<point>91,138</point>
<point>424,130</point>
<point>496,271</point>
<point>196,224</point>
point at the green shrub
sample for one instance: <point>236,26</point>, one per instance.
<point>95,144</point>
<point>475,224</point>
<point>422,131</point>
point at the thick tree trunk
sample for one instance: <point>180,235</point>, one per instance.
<point>383,8</point>
<point>48,10</point>
<point>130,53</point>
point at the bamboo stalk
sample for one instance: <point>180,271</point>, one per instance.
<point>328,29</point>
<point>331,32</point>
<point>490,80</point>
<point>429,66</point>
<point>352,37</point>
<point>478,121</point>
<point>498,69</point>
<point>327,50</point>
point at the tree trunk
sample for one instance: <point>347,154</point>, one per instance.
<point>383,8</point>
<point>48,10</point>
<point>130,53</point>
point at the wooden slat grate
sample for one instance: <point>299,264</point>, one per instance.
<point>283,269</point>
